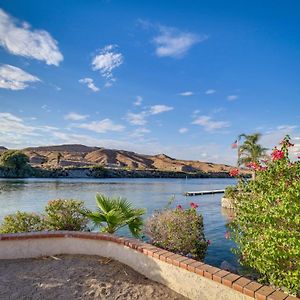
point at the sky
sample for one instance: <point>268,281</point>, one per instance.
<point>183,78</point>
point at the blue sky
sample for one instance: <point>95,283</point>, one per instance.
<point>177,77</point>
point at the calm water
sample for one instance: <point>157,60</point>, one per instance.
<point>32,195</point>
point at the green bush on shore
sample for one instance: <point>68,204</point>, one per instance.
<point>266,227</point>
<point>59,214</point>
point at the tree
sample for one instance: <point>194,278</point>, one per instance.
<point>115,213</point>
<point>15,160</point>
<point>250,151</point>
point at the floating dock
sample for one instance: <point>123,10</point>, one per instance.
<point>197,193</point>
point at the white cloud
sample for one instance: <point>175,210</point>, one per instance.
<point>14,78</point>
<point>75,116</point>
<point>210,92</point>
<point>183,130</point>
<point>140,132</point>
<point>174,43</point>
<point>137,119</point>
<point>90,84</point>
<point>210,125</point>
<point>102,126</point>
<point>19,39</point>
<point>160,108</point>
<point>185,94</point>
<point>232,97</point>
<point>106,61</point>
<point>138,101</point>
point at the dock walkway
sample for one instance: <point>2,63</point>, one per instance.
<point>197,193</point>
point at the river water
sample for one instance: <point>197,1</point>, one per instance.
<point>32,195</point>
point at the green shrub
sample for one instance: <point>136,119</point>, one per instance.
<point>64,214</point>
<point>21,222</point>
<point>266,227</point>
<point>230,192</point>
<point>99,171</point>
<point>15,163</point>
<point>180,231</point>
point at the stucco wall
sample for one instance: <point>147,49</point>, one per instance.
<point>188,277</point>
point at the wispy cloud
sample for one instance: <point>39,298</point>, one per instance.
<point>186,94</point>
<point>89,83</point>
<point>106,61</point>
<point>175,43</point>
<point>232,97</point>
<point>183,130</point>
<point>140,119</point>
<point>19,39</point>
<point>140,132</point>
<point>210,92</point>
<point>14,78</point>
<point>160,108</point>
<point>137,118</point>
<point>73,116</point>
<point>102,126</point>
<point>209,124</point>
<point>138,101</point>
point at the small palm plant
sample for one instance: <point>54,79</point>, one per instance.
<point>115,213</point>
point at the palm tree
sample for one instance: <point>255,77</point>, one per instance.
<point>115,213</point>
<point>250,150</point>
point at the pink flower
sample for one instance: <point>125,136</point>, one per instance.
<point>263,168</point>
<point>253,165</point>
<point>208,242</point>
<point>227,235</point>
<point>179,207</point>
<point>234,172</point>
<point>277,154</point>
<point>194,205</point>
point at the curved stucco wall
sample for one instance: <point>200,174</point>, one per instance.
<point>190,278</point>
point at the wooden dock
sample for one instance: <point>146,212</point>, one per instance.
<point>197,193</point>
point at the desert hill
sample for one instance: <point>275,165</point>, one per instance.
<point>76,155</point>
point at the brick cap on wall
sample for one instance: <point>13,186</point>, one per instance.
<point>234,281</point>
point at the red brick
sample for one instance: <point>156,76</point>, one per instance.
<point>278,295</point>
<point>292,298</point>
<point>229,279</point>
<point>240,283</point>
<point>192,267</point>
<point>185,263</point>
<point>251,288</point>
<point>208,270</point>
<point>170,259</point>
<point>263,292</point>
<point>177,260</point>
<point>219,275</point>
<point>159,253</point>
<point>164,256</point>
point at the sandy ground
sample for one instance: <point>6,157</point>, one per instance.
<point>76,277</point>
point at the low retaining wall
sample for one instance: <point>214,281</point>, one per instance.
<point>188,277</point>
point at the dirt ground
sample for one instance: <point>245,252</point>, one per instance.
<point>76,277</point>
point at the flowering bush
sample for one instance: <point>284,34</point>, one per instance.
<point>179,230</point>
<point>266,228</point>
<point>21,222</point>
<point>64,214</point>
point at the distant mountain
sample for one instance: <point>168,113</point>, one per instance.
<point>80,155</point>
